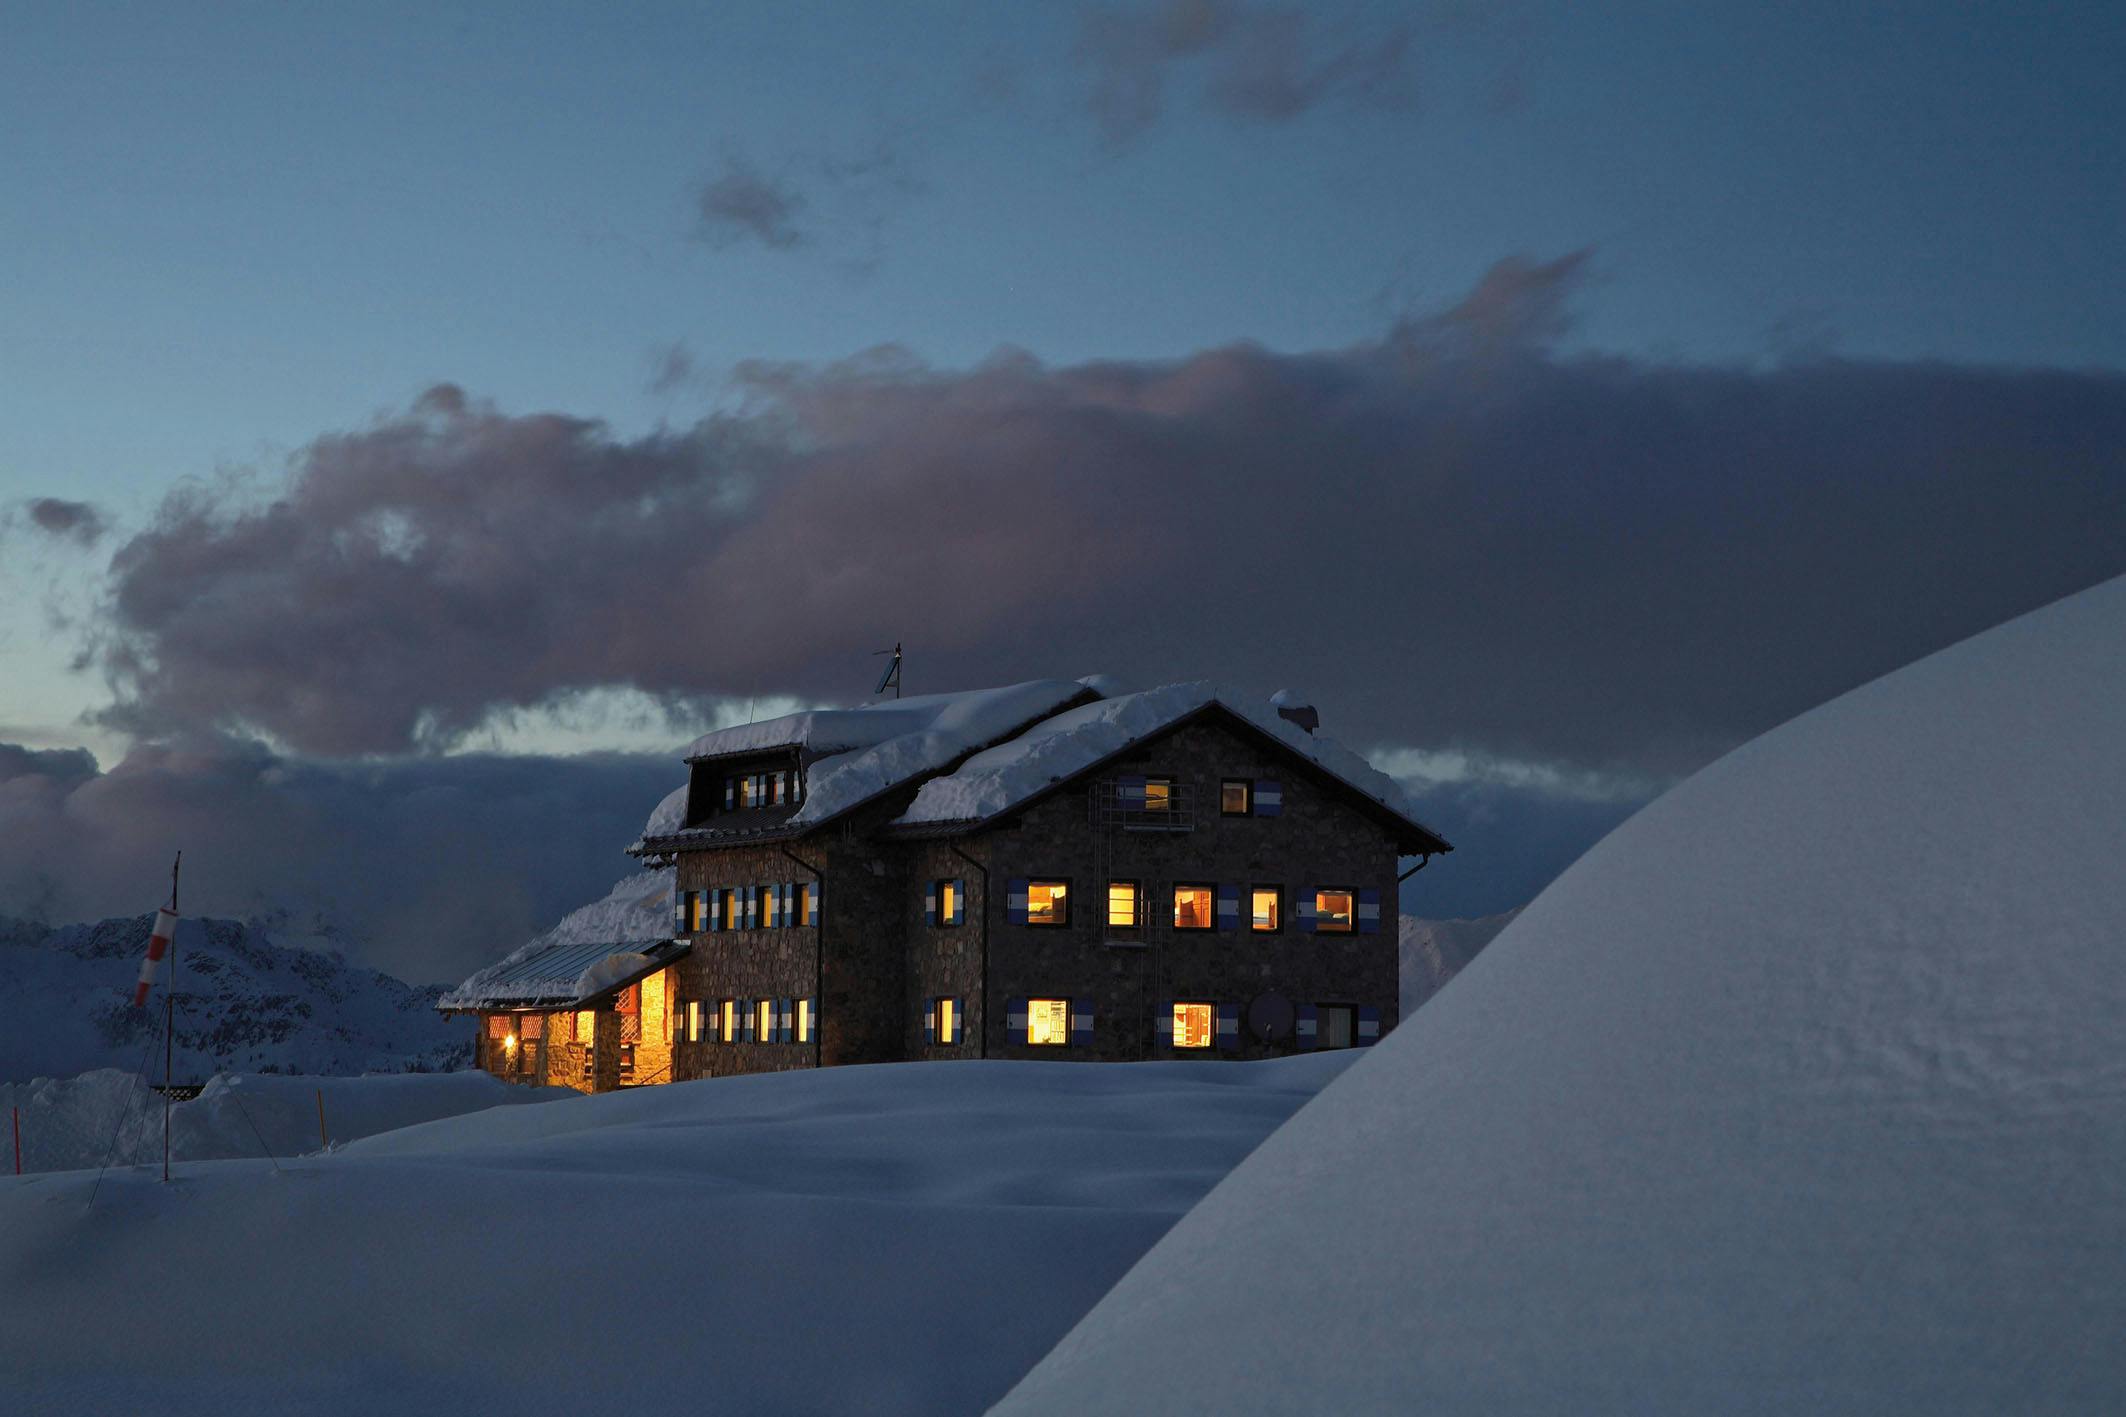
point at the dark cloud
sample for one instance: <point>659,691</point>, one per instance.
<point>1265,62</point>
<point>1456,536</point>
<point>426,867</point>
<point>741,204</point>
<point>80,522</point>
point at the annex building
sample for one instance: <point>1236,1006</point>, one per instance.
<point>1046,870</point>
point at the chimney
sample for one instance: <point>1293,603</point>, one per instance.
<point>1294,707</point>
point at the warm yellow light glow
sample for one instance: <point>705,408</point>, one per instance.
<point>1265,908</point>
<point>1233,797</point>
<point>804,1020</point>
<point>764,1021</point>
<point>509,1044</point>
<point>1047,903</point>
<point>1122,904</point>
<point>1332,910</point>
<point>1192,907</point>
<point>1192,1025</point>
<point>729,1032</point>
<point>948,1022</point>
<point>693,1020</point>
<point>1048,1021</point>
<point>1158,794</point>
<point>586,1025</point>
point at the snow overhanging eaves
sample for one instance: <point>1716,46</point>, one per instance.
<point>565,975</point>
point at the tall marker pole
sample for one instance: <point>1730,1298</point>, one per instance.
<point>169,1021</point>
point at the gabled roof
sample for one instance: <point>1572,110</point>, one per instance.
<point>562,974</point>
<point>859,753</point>
<point>1070,744</point>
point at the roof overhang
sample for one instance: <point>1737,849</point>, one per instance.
<point>572,975</point>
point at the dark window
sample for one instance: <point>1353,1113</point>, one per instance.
<point>1336,1026</point>
<point>1236,797</point>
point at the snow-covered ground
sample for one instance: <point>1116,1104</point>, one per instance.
<point>901,1238</point>
<point>69,1123</point>
<point>1804,1091</point>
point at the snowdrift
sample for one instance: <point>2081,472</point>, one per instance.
<point>906,1238</point>
<point>1802,1092</point>
<point>69,1124</point>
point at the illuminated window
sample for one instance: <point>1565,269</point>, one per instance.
<point>498,1026</point>
<point>1192,907</point>
<point>1121,905</point>
<point>952,903</point>
<point>775,789</point>
<point>586,1025</point>
<point>1192,1025</point>
<point>948,1020</point>
<point>1158,794</point>
<point>1236,797</point>
<point>531,1026</point>
<point>804,906</point>
<point>728,1033</point>
<point>1048,1022</point>
<point>1048,902</point>
<point>1333,911</point>
<point>804,1020</point>
<point>693,1020</point>
<point>770,907</point>
<point>1265,908</point>
<point>764,1021</point>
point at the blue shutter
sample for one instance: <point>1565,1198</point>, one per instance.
<point>786,1015</point>
<point>959,1015</point>
<point>752,907</point>
<point>745,1020</point>
<point>1130,791</point>
<point>818,894</point>
<point>1015,907</point>
<point>1163,1027</point>
<point>789,903</point>
<point>681,900</point>
<point>1307,1032</point>
<point>1229,907</point>
<point>1269,798</point>
<point>1081,1023</point>
<point>715,921</point>
<point>1368,1025</point>
<point>1369,912</point>
<point>1229,1028</point>
<point>959,901</point>
<point>1015,1021</point>
<point>930,903</point>
<point>930,1022</point>
<point>730,794</point>
<point>1303,908</point>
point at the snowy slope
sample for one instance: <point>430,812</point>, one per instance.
<point>1431,952</point>
<point>1802,1092</point>
<point>897,1239</point>
<point>71,1123</point>
<point>251,1005</point>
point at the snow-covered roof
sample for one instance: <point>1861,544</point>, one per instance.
<point>1059,748</point>
<point>873,748</point>
<point>591,951</point>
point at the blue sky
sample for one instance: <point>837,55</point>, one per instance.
<point>231,230</point>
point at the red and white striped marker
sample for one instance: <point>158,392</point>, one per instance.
<point>158,946</point>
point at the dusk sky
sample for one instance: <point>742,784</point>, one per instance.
<point>420,420</point>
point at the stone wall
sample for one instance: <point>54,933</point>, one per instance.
<point>779,963</point>
<point>1320,839</point>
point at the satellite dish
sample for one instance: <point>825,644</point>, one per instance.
<point>1271,1017</point>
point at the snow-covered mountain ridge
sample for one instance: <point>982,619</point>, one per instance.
<point>247,1004</point>
<point>1431,952</point>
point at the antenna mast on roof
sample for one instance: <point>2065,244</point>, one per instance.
<point>891,679</point>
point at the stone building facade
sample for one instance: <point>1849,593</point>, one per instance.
<point>1189,880</point>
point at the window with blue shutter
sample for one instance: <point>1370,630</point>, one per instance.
<point>715,921</point>
<point>685,903</point>
<point>930,1023</point>
<point>786,1020</point>
<point>1015,1020</point>
<point>1229,907</point>
<point>1081,1023</point>
<point>1368,1025</point>
<point>1015,901</point>
<point>1129,791</point>
<point>1303,908</point>
<point>745,1020</point>
<point>1269,798</point>
<point>953,907</point>
<point>752,907</point>
<point>1368,912</point>
<point>730,794</point>
<point>1229,1028</point>
<point>1162,1028</point>
<point>1306,1028</point>
<point>807,1020</point>
<point>930,903</point>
